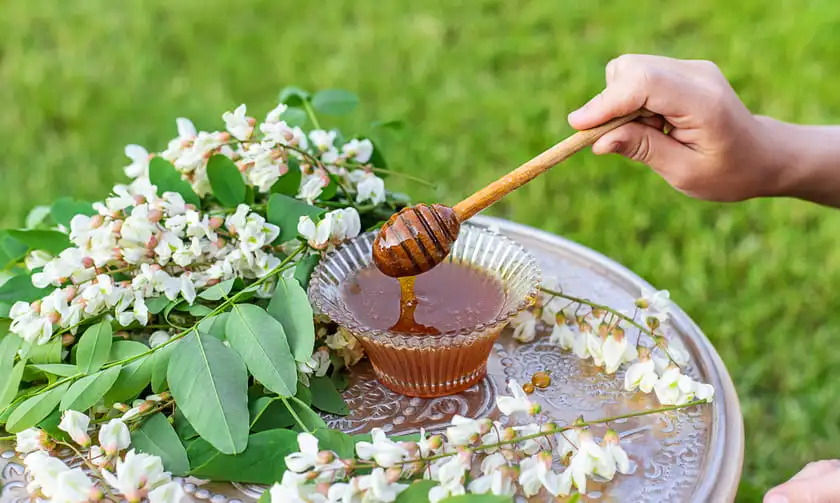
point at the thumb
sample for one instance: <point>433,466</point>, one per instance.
<point>646,145</point>
<point>817,483</point>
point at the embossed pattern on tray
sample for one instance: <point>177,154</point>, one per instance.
<point>693,455</point>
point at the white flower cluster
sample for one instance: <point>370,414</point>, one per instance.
<point>262,151</point>
<point>109,470</point>
<point>161,247</point>
<point>600,336</point>
<point>448,460</point>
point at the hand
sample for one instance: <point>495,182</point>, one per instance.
<point>715,149</point>
<point>817,483</point>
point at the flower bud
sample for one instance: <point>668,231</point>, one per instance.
<point>96,494</point>
<point>611,437</point>
<point>311,476</point>
<point>67,340</point>
<point>96,221</point>
<point>153,242</point>
<point>87,262</point>
<point>642,303</point>
<point>325,457</point>
<point>54,317</point>
<point>118,224</point>
<point>597,312</point>
<point>435,442</point>
<point>560,318</point>
<point>70,293</point>
<point>216,222</point>
<point>618,333</point>
<point>535,409</point>
<point>36,306</point>
<point>155,216</point>
<point>652,322</point>
<point>393,474</point>
<point>165,395</point>
<point>121,407</point>
<point>508,434</point>
<point>123,335</point>
<point>224,136</point>
<point>603,330</point>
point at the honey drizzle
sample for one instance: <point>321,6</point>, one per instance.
<point>408,305</point>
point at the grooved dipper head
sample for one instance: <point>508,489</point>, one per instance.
<point>415,240</point>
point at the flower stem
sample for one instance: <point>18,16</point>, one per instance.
<point>291,409</point>
<point>311,114</point>
<point>404,175</point>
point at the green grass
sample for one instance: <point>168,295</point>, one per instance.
<point>484,85</point>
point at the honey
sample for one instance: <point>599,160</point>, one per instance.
<point>450,298</point>
<point>528,388</point>
<point>541,380</point>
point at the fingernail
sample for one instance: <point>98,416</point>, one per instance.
<point>776,498</point>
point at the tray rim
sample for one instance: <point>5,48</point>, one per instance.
<point>727,432</point>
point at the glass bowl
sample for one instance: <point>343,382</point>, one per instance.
<point>430,365</point>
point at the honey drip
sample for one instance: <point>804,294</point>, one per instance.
<point>541,380</point>
<point>408,306</point>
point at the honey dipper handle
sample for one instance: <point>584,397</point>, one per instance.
<point>492,193</point>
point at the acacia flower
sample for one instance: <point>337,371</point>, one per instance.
<point>293,489</point>
<point>519,402</point>
<point>73,486</point>
<point>114,437</point>
<point>76,425</point>
<point>136,475</point>
<point>32,439</point>
<point>536,474</point>
<point>384,451</point>
<point>641,375</point>
<point>524,326</point>
<point>238,124</point>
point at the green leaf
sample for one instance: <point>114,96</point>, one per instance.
<point>285,212</point>
<point>50,425</point>
<point>265,497</point>
<point>294,117</point>
<point>59,369</point>
<point>52,242</point>
<point>263,462</point>
<point>86,392</point>
<point>334,102</point>
<point>8,350</point>
<point>158,438</point>
<point>478,498</point>
<point>210,384</point>
<point>304,268</point>
<point>293,96</point>
<point>167,179</point>
<point>217,292</point>
<point>35,409</point>
<point>64,209</point>
<point>156,305</point>
<point>261,341</point>
<point>11,383</point>
<point>269,413</point>
<point>289,184</point>
<point>120,350</point>
<point>20,288</point>
<point>160,365</point>
<point>574,499</point>
<point>336,441</point>
<point>326,398</point>
<point>12,249</point>
<point>226,181</point>
<point>46,353</point>
<point>290,306</point>
<point>418,492</point>
<point>183,427</point>
<point>215,326</point>
<point>133,379</point>
<point>309,417</point>
<point>199,310</point>
<point>329,192</point>
<point>94,347</point>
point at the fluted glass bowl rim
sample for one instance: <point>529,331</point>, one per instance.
<point>318,284</point>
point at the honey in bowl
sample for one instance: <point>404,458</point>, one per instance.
<point>450,297</point>
<point>441,344</point>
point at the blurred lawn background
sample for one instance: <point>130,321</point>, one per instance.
<point>484,85</point>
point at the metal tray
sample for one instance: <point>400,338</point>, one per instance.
<point>693,455</point>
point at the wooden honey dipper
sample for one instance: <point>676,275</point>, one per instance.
<point>419,237</point>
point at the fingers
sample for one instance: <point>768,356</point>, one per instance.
<point>645,144</point>
<point>659,84</point>
<point>817,483</point>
